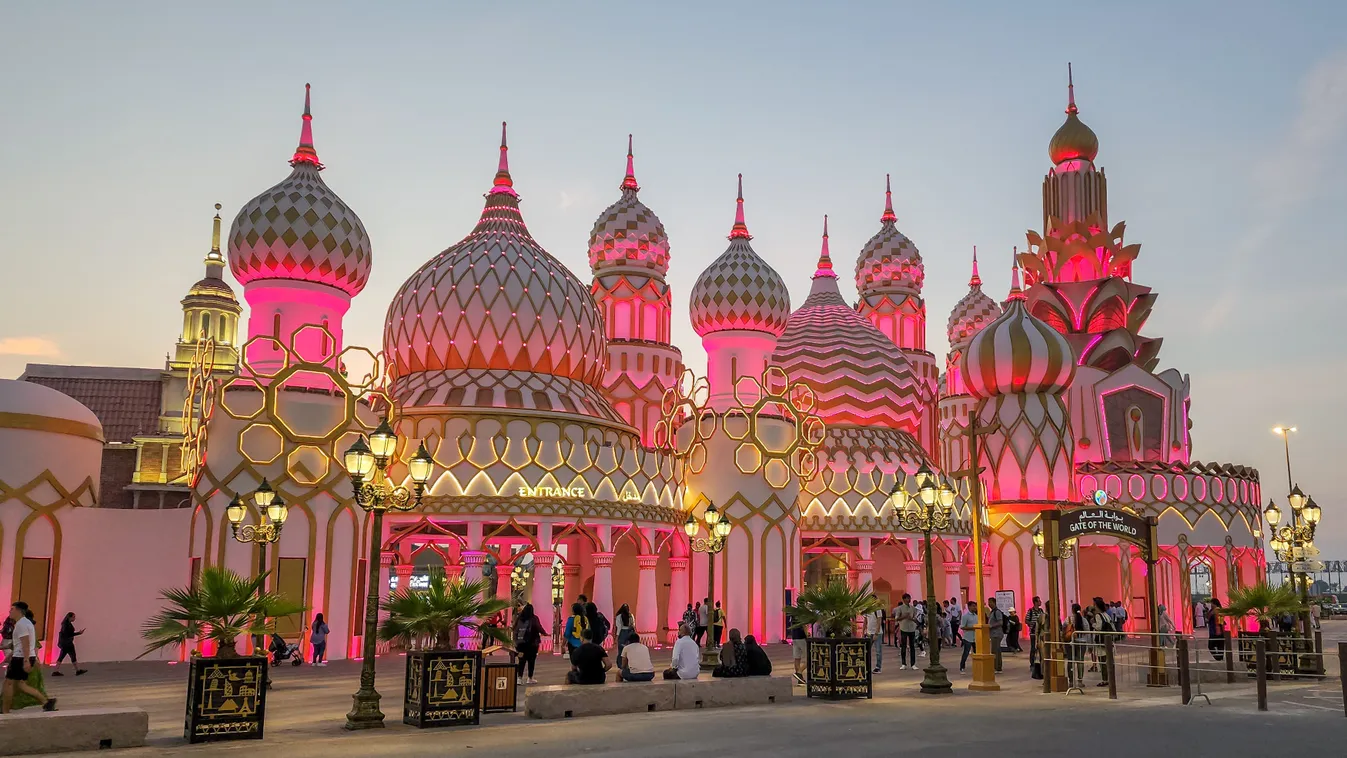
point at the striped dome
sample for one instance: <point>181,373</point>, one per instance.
<point>1017,353</point>
<point>739,290</point>
<point>858,374</point>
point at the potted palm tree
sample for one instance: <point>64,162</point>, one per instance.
<point>443,683</point>
<point>226,691</point>
<point>1265,603</point>
<point>839,662</point>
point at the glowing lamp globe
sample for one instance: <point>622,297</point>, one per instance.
<point>420,465</point>
<point>1038,538</point>
<point>382,441</point>
<point>690,526</point>
<point>359,459</point>
<point>712,515</point>
<point>1273,513</point>
<point>277,511</point>
<point>722,528</point>
<point>236,510</point>
<point>926,484</point>
<point>947,495</point>
<point>1296,499</point>
<point>1311,513</point>
<point>264,494</point>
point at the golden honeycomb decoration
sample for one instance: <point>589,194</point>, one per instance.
<point>685,422</point>
<point>776,456</point>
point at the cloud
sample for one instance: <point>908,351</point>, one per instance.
<point>1289,174</point>
<point>30,347</point>
<point>566,200</point>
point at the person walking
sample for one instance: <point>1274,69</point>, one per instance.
<point>689,617</point>
<point>906,616</point>
<point>1031,619</point>
<point>799,645</point>
<point>1077,639</point>
<point>1013,626</point>
<point>1216,631</point>
<point>1166,626</point>
<point>968,627</point>
<point>996,625</point>
<point>318,639</point>
<point>717,623</point>
<point>874,629</point>
<point>65,644</point>
<point>703,608</point>
<point>1103,627</point>
<point>22,664</point>
<point>528,636</point>
<point>624,629</point>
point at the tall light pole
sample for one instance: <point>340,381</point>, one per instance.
<point>931,510</point>
<point>271,515</point>
<point>984,663</point>
<point>375,497</point>
<point>717,529</point>
<point>1297,535</point>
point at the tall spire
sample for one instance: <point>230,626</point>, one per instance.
<point>503,184</point>
<point>889,216</point>
<point>306,153</point>
<point>740,230</point>
<point>1070,92</point>
<point>629,181</point>
<point>214,259</point>
<point>825,261</point>
<point>975,280</point>
<point>1015,292</point>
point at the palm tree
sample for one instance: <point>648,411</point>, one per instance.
<point>835,606</point>
<point>429,619</point>
<point>1263,601</point>
<point>221,605</point>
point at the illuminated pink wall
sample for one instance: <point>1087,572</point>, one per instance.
<point>281,308</point>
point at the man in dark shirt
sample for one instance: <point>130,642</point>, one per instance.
<point>590,665</point>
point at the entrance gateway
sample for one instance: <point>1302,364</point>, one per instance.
<point>1097,518</point>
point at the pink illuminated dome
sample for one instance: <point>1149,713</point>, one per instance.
<point>299,229</point>
<point>496,321</point>
<point>1017,353</point>
<point>739,290</point>
<point>973,311</point>
<point>858,374</point>
<point>628,234</point>
<point>889,261</point>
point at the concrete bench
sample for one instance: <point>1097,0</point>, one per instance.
<point>35,731</point>
<point>574,701</point>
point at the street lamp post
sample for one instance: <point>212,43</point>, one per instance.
<point>271,515</point>
<point>984,663</point>
<point>376,496</point>
<point>931,510</point>
<point>717,529</point>
<point>1294,543</point>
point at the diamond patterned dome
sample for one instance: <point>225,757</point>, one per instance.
<point>889,261</point>
<point>496,321</point>
<point>628,234</point>
<point>973,311</point>
<point>299,229</point>
<point>739,290</point>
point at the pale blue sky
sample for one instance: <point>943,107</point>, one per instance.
<point>1223,130</point>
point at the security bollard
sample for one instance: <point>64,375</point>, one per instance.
<point>1185,681</point>
<point>1260,664</point>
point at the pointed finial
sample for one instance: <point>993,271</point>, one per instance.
<point>889,216</point>
<point>214,259</point>
<point>503,183</point>
<point>1070,91</point>
<point>1015,292</point>
<point>306,153</point>
<point>975,280</point>
<point>629,181</point>
<point>740,230</point>
<point>825,261</point>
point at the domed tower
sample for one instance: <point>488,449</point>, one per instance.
<point>629,256</point>
<point>973,311</point>
<point>739,307</point>
<point>889,277</point>
<point>210,311</point>
<point>301,254</point>
<point>1018,368</point>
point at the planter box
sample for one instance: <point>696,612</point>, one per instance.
<point>839,669</point>
<point>226,698</point>
<point>444,688</point>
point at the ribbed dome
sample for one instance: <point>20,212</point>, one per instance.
<point>299,229</point>
<point>889,261</point>
<point>496,321</point>
<point>739,290</point>
<point>628,234</point>
<point>973,311</point>
<point>1073,139</point>
<point>858,374</point>
<point>1017,353</point>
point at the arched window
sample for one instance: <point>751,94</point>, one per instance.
<point>326,341</point>
<point>205,326</point>
<point>276,330</point>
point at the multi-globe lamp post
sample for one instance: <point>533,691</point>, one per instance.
<point>1293,543</point>
<point>717,529</point>
<point>367,464</point>
<point>271,515</point>
<point>930,510</point>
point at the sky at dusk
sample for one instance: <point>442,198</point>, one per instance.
<point>1222,128</point>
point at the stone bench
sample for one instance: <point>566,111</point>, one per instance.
<point>574,701</point>
<point>35,731</point>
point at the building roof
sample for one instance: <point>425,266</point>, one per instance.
<point>127,401</point>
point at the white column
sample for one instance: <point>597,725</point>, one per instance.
<point>914,579</point>
<point>647,611</point>
<point>472,565</point>
<point>952,588</point>
<point>541,596</point>
<point>603,584</point>
<point>678,595</point>
<point>865,572</point>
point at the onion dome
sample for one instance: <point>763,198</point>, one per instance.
<point>739,290</point>
<point>628,234</point>
<point>1017,353</point>
<point>496,321</point>
<point>889,261</point>
<point>1073,140</point>
<point>974,311</point>
<point>859,375</point>
<point>299,229</point>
